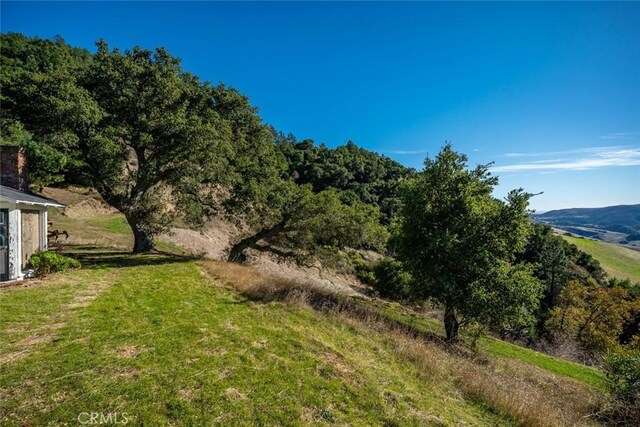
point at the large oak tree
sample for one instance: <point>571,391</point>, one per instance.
<point>159,137</point>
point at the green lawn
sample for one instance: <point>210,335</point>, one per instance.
<point>111,223</point>
<point>586,374</point>
<point>619,262</point>
<point>153,337</point>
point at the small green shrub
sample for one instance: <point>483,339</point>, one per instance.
<point>49,262</point>
<point>363,268</point>
<point>391,280</point>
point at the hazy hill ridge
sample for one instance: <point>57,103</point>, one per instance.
<point>616,224</point>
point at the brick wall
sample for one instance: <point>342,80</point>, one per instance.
<point>13,168</point>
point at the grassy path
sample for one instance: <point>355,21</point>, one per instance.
<point>156,340</point>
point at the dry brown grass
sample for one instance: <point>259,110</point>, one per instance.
<point>525,393</point>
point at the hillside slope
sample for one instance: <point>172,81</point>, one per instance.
<point>165,341</point>
<point>90,221</point>
<point>617,261</point>
<point>613,224</point>
<point>168,340</point>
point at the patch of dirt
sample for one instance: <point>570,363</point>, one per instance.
<point>234,394</point>
<point>126,372</point>
<point>13,356</point>
<point>128,351</point>
<point>213,241</point>
<point>225,373</point>
<point>84,299</point>
<point>78,305</point>
<point>59,316</point>
<point>36,339</point>
<point>260,343</point>
<point>69,195</point>
<point>89,208</point>
<point>314,275</point>
<point>338,363</point>
<point>53,326</point>
<point>186,394</point>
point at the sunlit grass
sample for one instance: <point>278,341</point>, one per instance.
<point>158,340</point>
<point>617,261</point>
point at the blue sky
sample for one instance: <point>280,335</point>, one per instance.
<point>548,91</point>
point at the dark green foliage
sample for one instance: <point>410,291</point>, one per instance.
<point>297,218</point>
<point>391,280</point>
<point>50,262</point>
<point>371,177</point>
<point>146,134</point>
<point>556,262</point>
<point>44,107</point>
<point>623,374</point>
<point>255,168</point>
<point>47,164</point>
<point>623,378</point>
<point>158,140</point>
<point>459,243</point>
<point>134,126</point>
<point>549,253</point>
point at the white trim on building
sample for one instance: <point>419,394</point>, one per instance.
<point>14,202</point>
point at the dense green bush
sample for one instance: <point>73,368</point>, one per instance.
<point>391,280</point>
<point>50,262</point>
<point>623,376</point>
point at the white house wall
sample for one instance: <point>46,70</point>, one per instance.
<point>15,234</point>
<point>44,226</point>
<point>15,247</point>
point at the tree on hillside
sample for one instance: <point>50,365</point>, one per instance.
<point>548,252</point>
<point>372,177</point>
<point>296,218</point>
<point>592,315</point>
<point>156,142</point>
<point>458,242</point>
<point>160,137</point>
<point>132,124</point>
<point>556,262</point>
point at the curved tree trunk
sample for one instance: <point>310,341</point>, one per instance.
<point>143,238</point>
<point>236,254</point>
<point>451,324</point>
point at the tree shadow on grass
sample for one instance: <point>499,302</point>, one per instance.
<point>95,257</point>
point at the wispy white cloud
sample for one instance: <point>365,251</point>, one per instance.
<point>588,158</point>
<point>557,153</point>
<point>618,135</point>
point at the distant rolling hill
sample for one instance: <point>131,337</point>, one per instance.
<point>617,261</point>
<point>612,224</point>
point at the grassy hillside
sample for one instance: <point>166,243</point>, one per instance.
<point>157,340</point>
<point>167,341</point>
<point>170,340</point>
<point>617,261</point>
